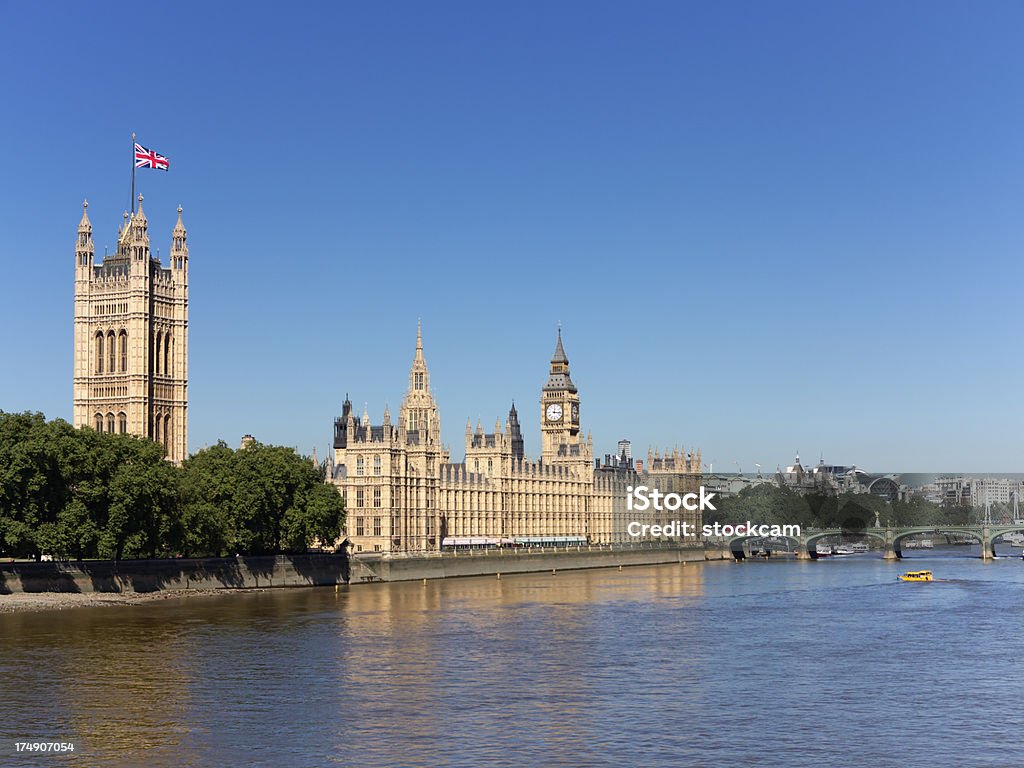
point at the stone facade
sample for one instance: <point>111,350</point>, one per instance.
<point>403,493</point>
<point>131,336</point>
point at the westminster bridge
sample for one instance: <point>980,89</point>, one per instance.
<point>892,538</point>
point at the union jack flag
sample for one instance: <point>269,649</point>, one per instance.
<point>147,158</point>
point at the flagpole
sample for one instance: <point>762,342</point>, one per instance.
<point>131,203</point>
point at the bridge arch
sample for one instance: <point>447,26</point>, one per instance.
<point>817,536</point>
<point>904,533</point>
<point>735,543</point>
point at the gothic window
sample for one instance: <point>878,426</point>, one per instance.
<point>376,497</point>
<point>99,352</point>
<point>490,466</point>
<point>122,422</point>
<point>158,346</point>
<point>156,425</point>
<point>418,377</point>
<point>167,354</point>
<point>360,466</point>
<point>360,530</point>
<point>360,498</point>
<point>376,526</point>
<point>110,422</point>
<point>111,354</point>
<point>124,351</point>
<point>99,422</point>
<point>376,465</point>
<point>167,430</point>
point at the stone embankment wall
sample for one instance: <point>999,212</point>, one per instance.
<point>316,569</point>
<point>155,575</point>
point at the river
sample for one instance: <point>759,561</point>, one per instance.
<point>761,663</point>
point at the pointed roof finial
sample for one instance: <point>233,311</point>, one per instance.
<point>559,356</point>
<point>84,223</point>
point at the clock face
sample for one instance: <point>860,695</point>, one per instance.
<point>554,412</point>
<point>576,412</point>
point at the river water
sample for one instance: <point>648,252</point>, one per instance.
<point>775,664</point>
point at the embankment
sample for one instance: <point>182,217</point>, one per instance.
<point>204,574</point>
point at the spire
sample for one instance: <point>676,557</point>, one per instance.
<point>140,215</point>
<point>559,356</point>
<point>419,340</point>
<point>179,244</point>
<point>558,378</point>
<point>85,225</point>
<point>387,414</point>
<point>84,250</point>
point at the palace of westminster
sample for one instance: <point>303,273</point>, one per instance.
<point>402,491</point>
<point>131,336</point>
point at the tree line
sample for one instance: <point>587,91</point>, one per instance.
<point>76,493</point>
<point>772,505</point>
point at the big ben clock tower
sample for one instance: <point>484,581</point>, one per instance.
<point>560,411</point>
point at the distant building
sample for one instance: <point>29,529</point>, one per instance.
<point>131,336</point>
<point>625,449</point>
<point>979,492</point>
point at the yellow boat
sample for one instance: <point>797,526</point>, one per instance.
<point>916,576</point>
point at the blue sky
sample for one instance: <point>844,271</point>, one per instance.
<point>764,226</point>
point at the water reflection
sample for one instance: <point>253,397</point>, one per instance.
<point>660,666</point>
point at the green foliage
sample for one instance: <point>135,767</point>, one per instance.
<point>769,504</point>
<point>76,493</point>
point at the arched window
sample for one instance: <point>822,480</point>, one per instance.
<point>110,423</point>
<point>122,422</point>
<point>99,353</point>
<point>167,430</point>
<point>99,422</point>
<point>159,347</point>
<point>157,424</point>
<point>124,351</point>
<point>360,466</point>
<point>167,354</point>
<point>376,465</point>
<point>111,354</point>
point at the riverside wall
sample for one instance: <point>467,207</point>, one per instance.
<point>179,574</point>
<point>318,569</point>
<point>449,564</point>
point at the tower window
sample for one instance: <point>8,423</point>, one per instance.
<point>360,498</point>
<point>376,465</point>
<point>99,422</point>
<point>110,423</point>
<point>360,466</point>
<point>157,347</point>
<point>167,430</point>
<point>99,353</point>
<point>111,355</point>
<point>158,422</point>
<point>376,497</point>
<point>124,351</point>
<point>418,379</point>
<point>122,422</point>
<point>167,354</point>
